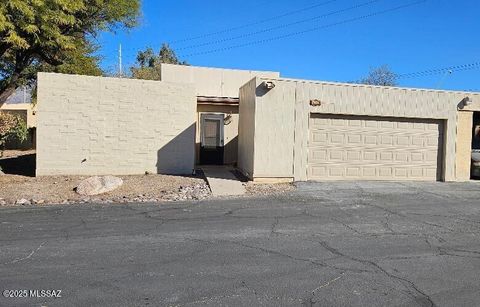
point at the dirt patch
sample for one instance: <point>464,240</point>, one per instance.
<point>257,189</point>
<point>16,153</point>
<point>142,188</point>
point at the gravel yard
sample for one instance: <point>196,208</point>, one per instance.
<point>28,190</point>
<point>59,189</point>
<point>257,189</point>
<point>23,190</point>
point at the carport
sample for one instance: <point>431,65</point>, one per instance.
<point>297,130</point>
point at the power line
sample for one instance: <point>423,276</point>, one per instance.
<point>346,21</point>
<point>253,23</point>
<point>438,71</point>
<point>282,26</point>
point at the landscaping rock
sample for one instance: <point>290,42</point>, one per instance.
<point>38,201</point>
<point>2,202</point>
<point>98,185</point>
<point>196,192</point>
<point>23,202</point>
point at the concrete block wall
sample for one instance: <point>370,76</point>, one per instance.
<point>96,125</point>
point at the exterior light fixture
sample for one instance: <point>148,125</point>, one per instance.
<point>268,85</point>
<point>467,101</point>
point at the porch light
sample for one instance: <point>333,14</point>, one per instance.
<point>467,101</point>
<point>268,85</point>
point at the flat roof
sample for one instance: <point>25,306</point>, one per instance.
<point>220,68</point>
<point>366,85</point>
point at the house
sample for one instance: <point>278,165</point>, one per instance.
<point>274,129</point>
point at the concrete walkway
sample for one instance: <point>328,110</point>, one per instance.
<point>222,181</point>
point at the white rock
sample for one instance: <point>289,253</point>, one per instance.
<point>98,185</point>
<point>23,202</point>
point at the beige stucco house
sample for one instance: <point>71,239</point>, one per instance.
<point>273,129</point>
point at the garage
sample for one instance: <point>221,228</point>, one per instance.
<point>299,130</point>
<point>342,147</point>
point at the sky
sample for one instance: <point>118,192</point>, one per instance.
<point>328,40</point>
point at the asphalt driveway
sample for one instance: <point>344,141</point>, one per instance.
<point>326,244</point>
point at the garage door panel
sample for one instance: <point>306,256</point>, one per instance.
<point>358,147</point>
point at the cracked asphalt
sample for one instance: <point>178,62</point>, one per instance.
<point>325,244</point>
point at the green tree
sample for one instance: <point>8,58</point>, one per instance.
<point>382,75</point>
<point>55,35</point>
<point>148,63</point>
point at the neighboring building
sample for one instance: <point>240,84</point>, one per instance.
<point>20,104</point>
<point>276,129</point>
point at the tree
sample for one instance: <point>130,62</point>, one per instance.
<point>55,35</point>
<point>380,76</point>
<point>148,63</point>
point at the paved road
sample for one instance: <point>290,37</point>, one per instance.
<point>339,244</point>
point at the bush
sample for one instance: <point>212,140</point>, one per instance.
<point>11,128</point>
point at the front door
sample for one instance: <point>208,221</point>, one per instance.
<point>211,139</point>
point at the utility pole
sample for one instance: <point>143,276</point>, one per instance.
<point>120,69</point>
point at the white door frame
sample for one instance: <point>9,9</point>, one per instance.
<point>212,116</point>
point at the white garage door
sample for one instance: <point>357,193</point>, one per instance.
<point>373,148</point>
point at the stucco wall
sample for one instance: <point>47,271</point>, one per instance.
<point>346,99</point>
<point>230,130</point>
<point>274,131</point>
<point>96,125</point>
<point>464,145</point>
<point>213,82</point>
<point>246,127</point>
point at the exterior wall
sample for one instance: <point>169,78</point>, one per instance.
<point>342,99</point>
<point>230,130</point>
<point>96,125</point>
<point>212,82</point>
<point>246,127</point>
<point>464,145</point>
<point>274,131</point>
